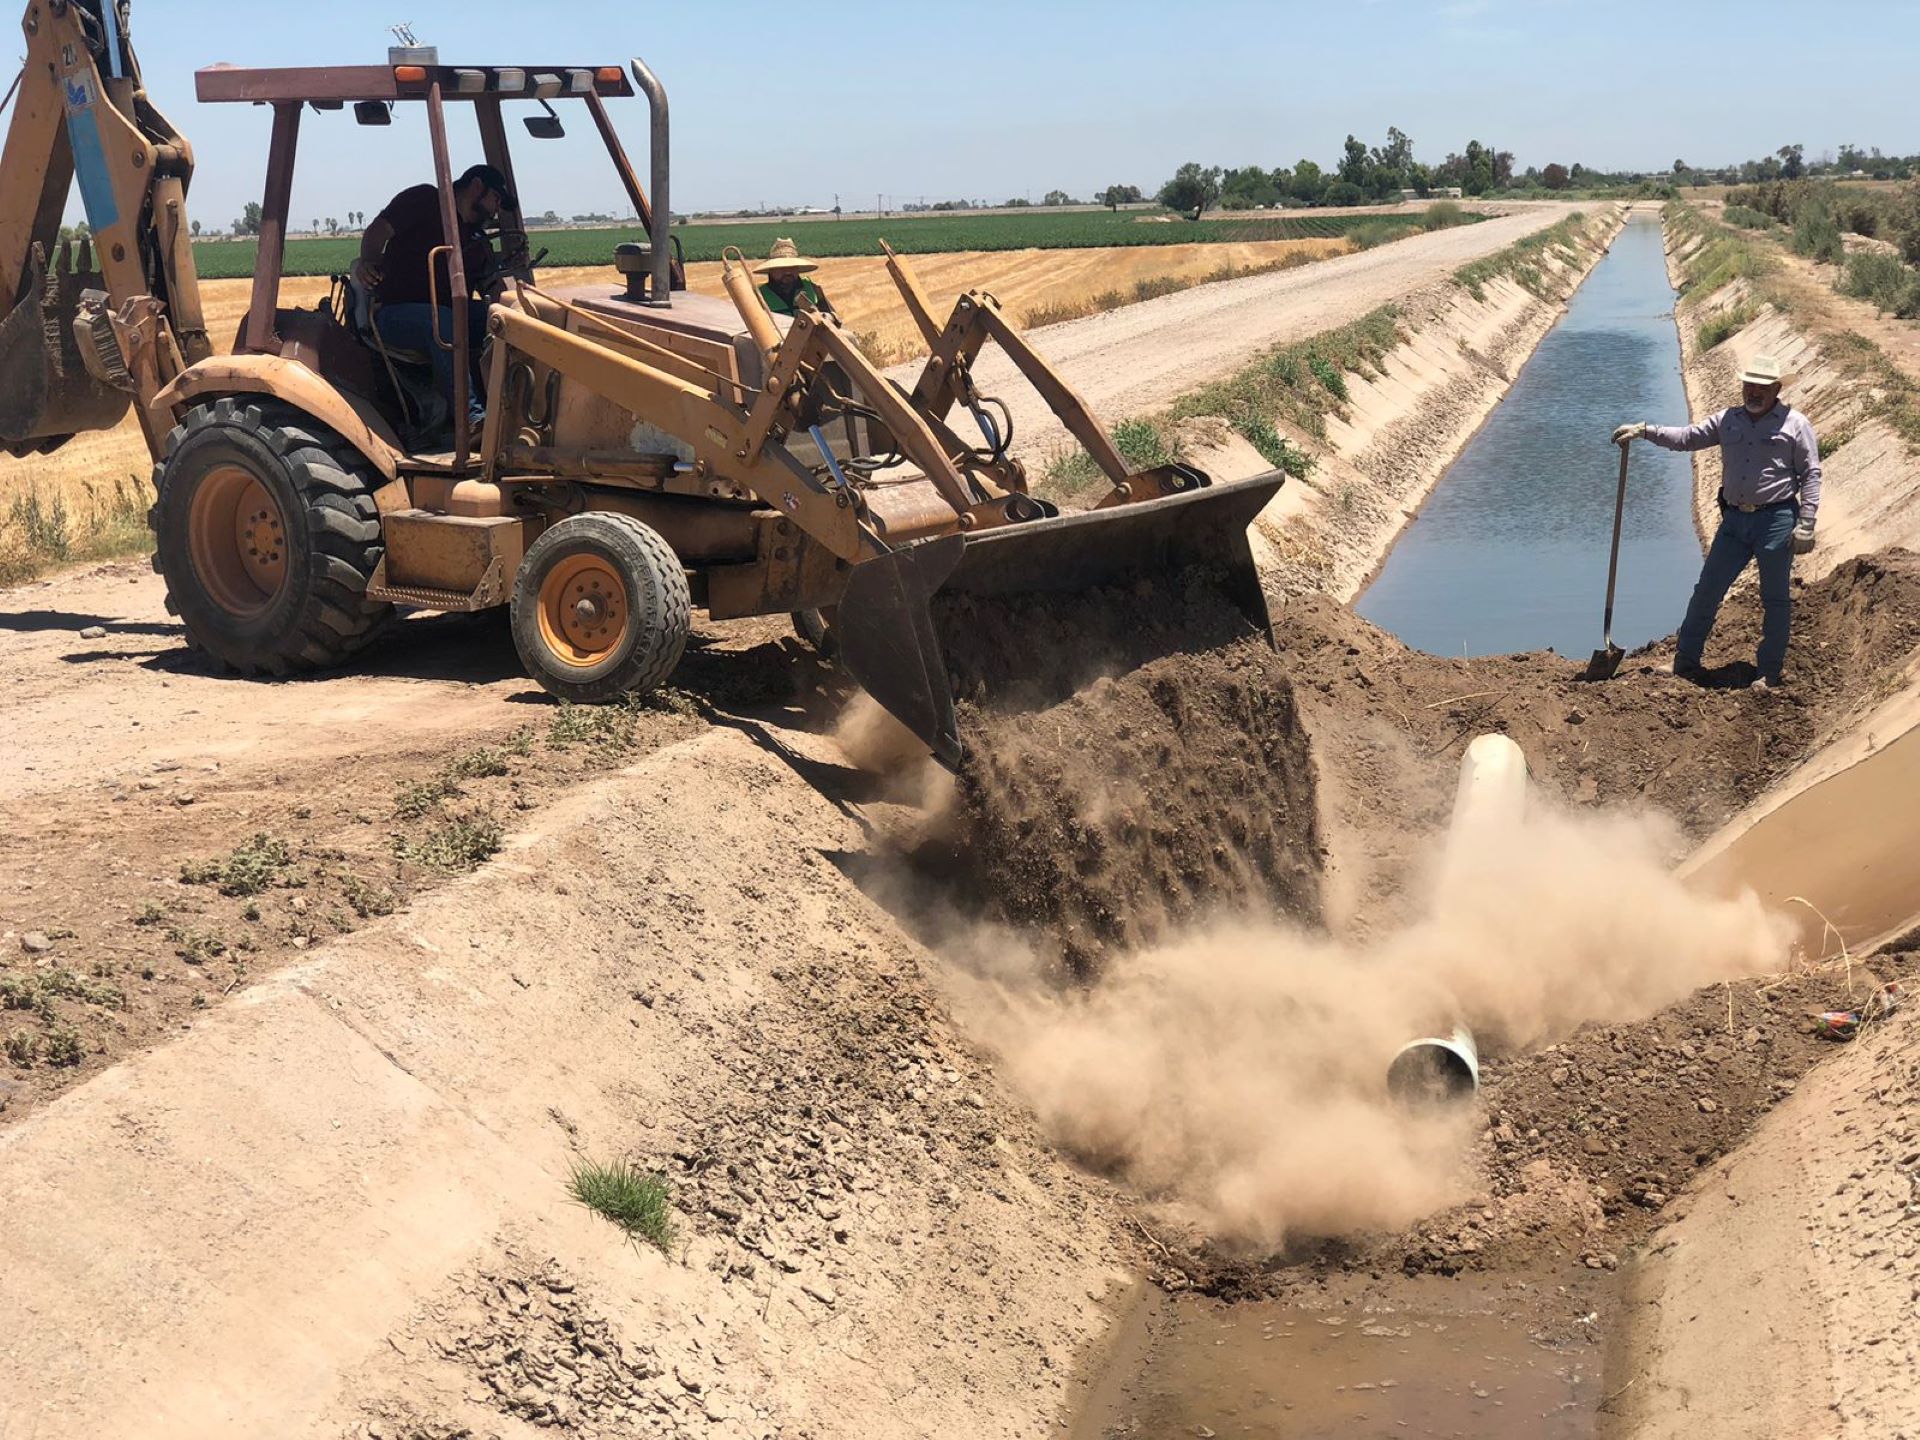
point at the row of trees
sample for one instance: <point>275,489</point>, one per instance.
<point>1790,162</point>
<point>1364,174</point>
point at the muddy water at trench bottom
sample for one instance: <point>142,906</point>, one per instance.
<point>1272,1371</point>
<point>1510,551</point>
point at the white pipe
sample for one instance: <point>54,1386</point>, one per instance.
<point>1490,803</point>
<point>1436,1068</point>
<point>1492,794</point>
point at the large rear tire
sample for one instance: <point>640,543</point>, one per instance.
<point>266,532</point>
<point>601,608</point>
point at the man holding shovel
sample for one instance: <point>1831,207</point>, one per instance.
<point>1769,496</point>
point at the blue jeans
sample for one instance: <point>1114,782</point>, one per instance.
<point>411,328</point>
<point>1766,538</point>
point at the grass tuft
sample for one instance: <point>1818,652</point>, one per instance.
<point>635,1200</point>
<point>1716,328</point>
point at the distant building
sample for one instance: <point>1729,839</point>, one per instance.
<point>1438,192</point>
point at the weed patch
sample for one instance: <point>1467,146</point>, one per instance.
<point>63,1045</point>
<point>1716,328</point>
<point>41,531</point>
<point>462,842</point>
<point>629,1197</point>
<point>1525,254</point>
<point>196,947</point>
<point>367,899</point>
<point>1299,383</point>
<point>613,728</point>
<point>1888,282</point>
<point>1142,444</point>
<point>22,1046</point>
<point>252,867</point>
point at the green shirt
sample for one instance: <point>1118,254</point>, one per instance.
<point>784,307</point>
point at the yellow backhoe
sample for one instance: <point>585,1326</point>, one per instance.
<point>645,449</point>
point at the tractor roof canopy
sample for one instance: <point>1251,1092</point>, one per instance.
<point>333,85</point>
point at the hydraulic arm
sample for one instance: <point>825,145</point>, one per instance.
<point>95,323</point>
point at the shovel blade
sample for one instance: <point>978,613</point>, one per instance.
<point>1604,664</point>
<point>891,644</point>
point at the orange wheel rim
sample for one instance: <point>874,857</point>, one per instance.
<point>584,610</point>
<point>237,536</point>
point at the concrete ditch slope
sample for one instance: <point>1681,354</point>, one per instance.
<point>302,1216</point>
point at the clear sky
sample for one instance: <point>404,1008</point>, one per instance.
<point>794,102</point>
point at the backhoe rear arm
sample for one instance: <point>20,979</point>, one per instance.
<point>82,113</point>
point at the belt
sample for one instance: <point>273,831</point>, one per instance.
<point>1754,509</point>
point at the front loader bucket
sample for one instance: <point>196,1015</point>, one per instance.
<point>47,394</point>
<point>886,625</point>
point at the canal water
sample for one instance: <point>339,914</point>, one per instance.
<point>1482,1365</point>
<point>1510,551</point>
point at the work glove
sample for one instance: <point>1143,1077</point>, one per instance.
<point>1635,431</point>
<point>1803,537</point>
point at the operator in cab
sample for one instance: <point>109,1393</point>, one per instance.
<point>394,265</point>
<point>784,273</point>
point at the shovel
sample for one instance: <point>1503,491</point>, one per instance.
<point>1605,663</point>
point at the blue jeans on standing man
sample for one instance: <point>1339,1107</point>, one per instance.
<point>1764,536</point>
<point>410,327</point>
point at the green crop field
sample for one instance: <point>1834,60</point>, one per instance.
<point>914,235</point>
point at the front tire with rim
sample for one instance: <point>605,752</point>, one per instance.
<point>266,532</point>
<point>601,608</point>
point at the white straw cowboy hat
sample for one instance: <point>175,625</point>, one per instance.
<point>785,255</point>
<point>1762,370</point>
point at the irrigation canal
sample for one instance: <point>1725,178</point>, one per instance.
<point>1510,551</point>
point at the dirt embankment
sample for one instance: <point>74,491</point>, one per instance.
<point>1837,376</point>
<point>1388,724</point>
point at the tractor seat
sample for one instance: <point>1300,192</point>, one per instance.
<point>361,308</point>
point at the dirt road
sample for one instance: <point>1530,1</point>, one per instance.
<point>1134,360</point>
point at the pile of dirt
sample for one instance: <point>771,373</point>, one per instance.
<point>1389,724</point>
<point>1586,1143</point>
<point>1135,761</point>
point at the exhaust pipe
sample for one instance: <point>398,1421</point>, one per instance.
<point>661,233</point>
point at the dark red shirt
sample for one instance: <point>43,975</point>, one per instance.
<point>415,216</point>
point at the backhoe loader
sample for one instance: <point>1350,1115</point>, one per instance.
<point>645,449</point>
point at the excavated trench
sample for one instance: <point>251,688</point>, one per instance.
<point>1147,771</point>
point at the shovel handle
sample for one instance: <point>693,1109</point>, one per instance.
<point>1613,560</point>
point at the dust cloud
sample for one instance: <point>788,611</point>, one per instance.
<point>1237,1076</point>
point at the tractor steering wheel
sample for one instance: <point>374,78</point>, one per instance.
<point>510,259</point>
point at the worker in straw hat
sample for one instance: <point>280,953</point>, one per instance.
<point>1769,496</point>
<point>785,272</point>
